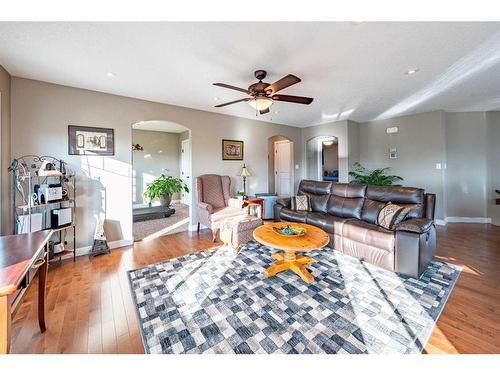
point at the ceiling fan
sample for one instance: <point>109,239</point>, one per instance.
<point>264,94</point>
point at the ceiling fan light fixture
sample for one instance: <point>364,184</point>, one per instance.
<point>260,103</point>
<point>327,143</point>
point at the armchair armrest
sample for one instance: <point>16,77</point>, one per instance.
<point>206,207</point>
<point>284,202</point>
<point>418,226</point>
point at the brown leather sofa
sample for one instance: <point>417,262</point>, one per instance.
<point>348,213</point>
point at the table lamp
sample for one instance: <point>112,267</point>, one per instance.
<point>244,173</point>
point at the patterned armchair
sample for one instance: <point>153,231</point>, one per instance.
<point>214,202</point>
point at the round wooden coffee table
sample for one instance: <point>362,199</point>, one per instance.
<point>315,238</point>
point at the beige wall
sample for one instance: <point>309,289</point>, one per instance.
<point>5,129</point>
<point>420,143</point>
<point>161,155</point>
<point>466,171</point>
<point>331,155</point>
<point>44,110</point>
<point>493,146</point>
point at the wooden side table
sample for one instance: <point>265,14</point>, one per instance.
<point>248,201</point>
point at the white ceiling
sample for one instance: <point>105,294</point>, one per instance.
<point>160,126</point>
<point>353,70</point>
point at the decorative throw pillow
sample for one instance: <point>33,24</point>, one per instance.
<point>388,215</point>
<point>300,203</point>
<point>402,216</point>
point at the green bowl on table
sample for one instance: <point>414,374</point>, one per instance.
<point>290,231</point>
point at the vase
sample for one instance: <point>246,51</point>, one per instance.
<point>165,200</point>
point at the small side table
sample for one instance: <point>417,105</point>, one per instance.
<point>251,200</point>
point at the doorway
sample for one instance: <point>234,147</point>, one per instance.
<point>161,151</point>
<point>280,166</point>
<point>322,159</point>
<point>186,169</point>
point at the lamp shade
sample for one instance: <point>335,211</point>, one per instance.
<point>244,172</point>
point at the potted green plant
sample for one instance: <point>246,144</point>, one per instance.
<point>240,195</point>
<point>163,188</point>
<point>362,175</point>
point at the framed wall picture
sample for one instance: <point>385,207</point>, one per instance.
<point>232,150</point>
<point>86,140</point>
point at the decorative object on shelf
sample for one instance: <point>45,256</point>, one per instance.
<point>100,245</point>
<point>87,140</point>
<point>232,150</point>
<point>244,173</point>
<point>362,175</point>
<point>38,192</point>
<point>137,147</point>
<point>163,188</point>
<point>48,169</point>
<point>289,231</point>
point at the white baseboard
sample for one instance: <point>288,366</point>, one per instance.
<point>112,245</point>
<point>440,222</point>
<point>463,219</point>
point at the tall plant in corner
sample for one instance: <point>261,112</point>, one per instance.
<point>164,187</point>
<point>362,175</point>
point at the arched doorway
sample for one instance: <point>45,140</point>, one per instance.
<point>280,165</point>
<point>160,148</point>
<point>322,159</point>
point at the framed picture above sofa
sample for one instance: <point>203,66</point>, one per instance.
<point>86,140</point>
<point>232,150</point>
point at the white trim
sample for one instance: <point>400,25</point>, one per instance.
<point>463,219</point>
<point>440,222</point>
<point>86,249</point>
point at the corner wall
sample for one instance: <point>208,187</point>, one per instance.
<point>493,147</point>
<point>5,148</point>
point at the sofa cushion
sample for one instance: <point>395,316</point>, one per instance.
<point>287,214</point>
<point>300,203</point>
<point>388,215</point>
<point>369,234</point>
<point>346,200</point>
<point>408,197</point>
<point>318,192</point>
<point>330,224</point>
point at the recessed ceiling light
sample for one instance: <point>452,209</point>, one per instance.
<point>411,72</point>
<point>110,74</point>
<point>356,23</point>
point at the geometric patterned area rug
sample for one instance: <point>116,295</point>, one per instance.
<point>216,301</point>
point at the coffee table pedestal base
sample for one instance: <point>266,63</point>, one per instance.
<point>288,260</point>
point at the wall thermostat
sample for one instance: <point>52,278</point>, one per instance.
<point>392,130</point>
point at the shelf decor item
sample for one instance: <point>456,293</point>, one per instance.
<point>163,188</point>
<point>232,150</point>
<point>86,140</point>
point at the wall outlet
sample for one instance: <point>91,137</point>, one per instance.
<point>438,165</point>
<point>296,166</point>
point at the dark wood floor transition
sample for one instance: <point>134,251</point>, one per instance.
<point>90,308</point>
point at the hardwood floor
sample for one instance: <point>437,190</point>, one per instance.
<point>90,308</point>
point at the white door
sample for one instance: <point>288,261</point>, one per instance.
<point>283,168</point>
<point>186,170</point>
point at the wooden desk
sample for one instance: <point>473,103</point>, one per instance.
<point>18,254</point>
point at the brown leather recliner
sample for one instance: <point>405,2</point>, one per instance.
<point>348,213</point>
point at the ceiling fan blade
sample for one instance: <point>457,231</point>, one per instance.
<point>234,101</point>
<point>264,111</point>
<point>231,87</point>
<point>292,99</point>
<point>283,83</point>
